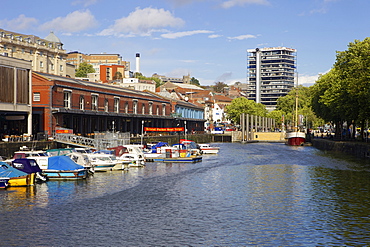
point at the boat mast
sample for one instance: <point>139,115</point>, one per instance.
<point>296,105</point>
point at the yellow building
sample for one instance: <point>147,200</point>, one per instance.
<point>47,55</point>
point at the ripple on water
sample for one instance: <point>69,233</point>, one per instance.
<point>254,194</point>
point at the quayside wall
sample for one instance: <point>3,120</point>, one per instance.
<point>7,149</point>
<point>357,149</point>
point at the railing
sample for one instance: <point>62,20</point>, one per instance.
<point>100,141</point>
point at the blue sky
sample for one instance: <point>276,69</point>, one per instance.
<point>207,39</point>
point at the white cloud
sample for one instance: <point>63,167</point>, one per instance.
<point>233,3</point>
<point>20,23</point>
<point>307,80</point>
<point>183,34</point>
<point>242,37</point>
<point>74,22</point>
<point>188,61</point>
<point>143,22</point>
<point>213,36</point>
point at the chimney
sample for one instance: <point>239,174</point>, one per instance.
<point>137,63</point>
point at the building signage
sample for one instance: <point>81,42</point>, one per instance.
<point>64,131</point>
<point>164,129</point>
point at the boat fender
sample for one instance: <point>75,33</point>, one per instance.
<point>39,176</point>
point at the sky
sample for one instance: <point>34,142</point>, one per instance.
<point>207,39</point>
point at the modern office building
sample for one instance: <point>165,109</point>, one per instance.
<point>271,74</point>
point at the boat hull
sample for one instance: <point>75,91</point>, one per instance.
<point>4,182</point>
<point>67,174</point>
<point>27,180</point>
<point>210,150</point>
<point>179,159</point>
<point>295,138</point>
<point>104,168</point>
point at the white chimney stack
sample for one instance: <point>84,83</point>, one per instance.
<point>137,63</point>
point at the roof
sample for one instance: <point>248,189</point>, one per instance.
<point>51,77</point>
<point>53,38</point>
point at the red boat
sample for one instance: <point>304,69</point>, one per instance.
<point>295,138</point>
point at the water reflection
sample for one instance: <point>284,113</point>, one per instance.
<point>255,194</point>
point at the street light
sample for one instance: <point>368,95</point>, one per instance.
<point>142,131</point>
<point>177,122</point>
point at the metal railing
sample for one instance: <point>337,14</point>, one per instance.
<point>101,140</point>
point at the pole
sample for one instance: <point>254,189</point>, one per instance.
<point>185,130</point>
<point>142,131</point>
<point>242,125</point>
<point>247,127</point>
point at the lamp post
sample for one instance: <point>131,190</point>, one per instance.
<point>142,131</point>
<point>177,123</point>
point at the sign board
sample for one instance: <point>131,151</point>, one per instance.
<point>64,131</point>
<point>164,129</point>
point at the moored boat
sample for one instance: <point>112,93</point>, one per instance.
<point>129,155</point>
<point>102,162</point>
<point>29,166</point>
<point>62,167</point>
<point>295,138</point>
<point>208,149</point>
<point>16,177</point>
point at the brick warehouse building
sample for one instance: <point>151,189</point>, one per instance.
<point>86,107</point>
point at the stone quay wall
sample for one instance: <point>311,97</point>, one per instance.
<point>357,149</point>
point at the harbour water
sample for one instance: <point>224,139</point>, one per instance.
<point>248,195</point>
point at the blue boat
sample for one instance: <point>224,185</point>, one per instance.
<point>16,177</point>
<point>4,182</point>
<point>30,166</point>
<point>62,167</point>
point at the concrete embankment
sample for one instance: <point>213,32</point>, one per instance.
<point>357,149</point>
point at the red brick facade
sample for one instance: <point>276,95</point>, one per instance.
<point>70,103</point>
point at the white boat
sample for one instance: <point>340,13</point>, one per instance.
<point>130,155</point>
<point>82,160</point>
<point>41,157</point>
<point>132,160</point>
<point>208,149</point>
<point>99,161</point>
<point>102,162</point>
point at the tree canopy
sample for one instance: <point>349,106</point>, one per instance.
<point>194,81</point>
<point>219,87</point>
<point>342,94</point>
<point>158,82</point>
<point>83,69</point>
<point>244,105</point>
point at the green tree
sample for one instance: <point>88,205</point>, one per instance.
<point>342,94</point>
<point>194,81</point>
<point>244,105</point>
<point>158,82</point>
<point>219,87</point>
<point>286,104</point>
<point>353,67</point>
<point>117,75</point>
<point>277,115</point>
<point>84,69</point>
